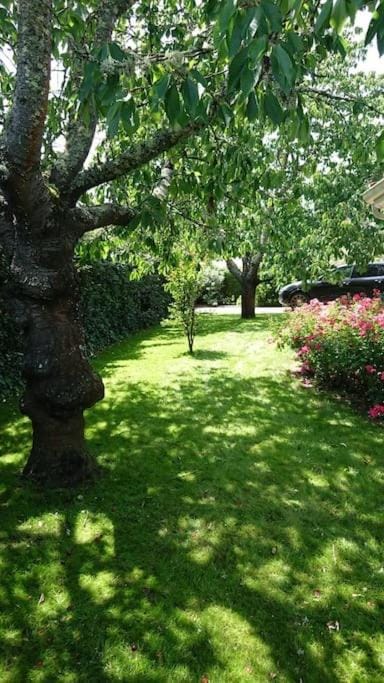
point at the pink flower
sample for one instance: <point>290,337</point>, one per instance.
<point>306,369</point>
<point>304,349</point>
<point>370,369</point>
<point>381,376</point>
<point>376,411</point>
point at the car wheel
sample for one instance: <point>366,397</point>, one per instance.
<point>298,300</point>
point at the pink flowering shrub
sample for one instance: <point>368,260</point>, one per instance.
<point>341,345</point>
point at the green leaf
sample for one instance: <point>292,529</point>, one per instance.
<point>272,14</point>
<point>287,5</point>
<point>339,15</point>
<point>236,36</point>
<point>127,115</point>
<point>172,103</point>
<point>190,93</point>
<point>199,78</point>
<point>295,42</point>
<point>358,107</point>
<point>322,20</point>
<point>283,68</point>
<point>235,68</point>
<point>273,108</point>
<point>113,119</point>
<point>252,110</point>
<point>116,52</point>
<point>380,147</point>
<point>248,79</point>
<point>161,86</point>
<point>303,132</point>
<point>226,113</point>
<point>226,14</point>
<point>257,49</point>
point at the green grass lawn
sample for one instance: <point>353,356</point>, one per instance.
<point>236,535</point>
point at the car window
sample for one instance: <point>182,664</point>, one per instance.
<point>373,270</point>
<point>343,272</point>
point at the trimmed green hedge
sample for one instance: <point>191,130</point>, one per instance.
<point>113,306</point>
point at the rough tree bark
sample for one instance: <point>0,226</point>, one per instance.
<point>39,228</point>
<point>248,278</point>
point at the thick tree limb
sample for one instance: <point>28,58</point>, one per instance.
<point>80,135</point>
<point>251,266</point>
<point>24,131</point>
<point>234,269</point>
<point>104,215</point>
<point>134,157</point>
<point>86,219</point>
<point>252,262</point>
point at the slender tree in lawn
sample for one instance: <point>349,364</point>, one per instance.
<point>151,76</point>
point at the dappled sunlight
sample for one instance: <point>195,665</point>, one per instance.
<point>236,522</point>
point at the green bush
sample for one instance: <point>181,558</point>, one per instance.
<point>231,288</point>
<point>267,294</point>
<point>341,345</point>
<point>112,306</point>
<point>219,287</point>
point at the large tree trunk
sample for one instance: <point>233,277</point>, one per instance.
<point>248,298</point>
<point>60,383</point>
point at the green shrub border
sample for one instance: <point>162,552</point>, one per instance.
<point>112,307</point>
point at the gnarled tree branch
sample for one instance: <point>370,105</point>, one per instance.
<point>101,216</point>
<point>134,157</point>
<point>234,269</point>
<point>91,218</point>
<point>80,135</point>
<point>24,131</point>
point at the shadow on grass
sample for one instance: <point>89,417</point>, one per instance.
<point>244,501</point>
<point>207,354</point>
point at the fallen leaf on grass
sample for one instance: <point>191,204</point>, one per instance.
<point>317,594</point>
<point>333,626</point>
<point>41,599</point>
<point>204,679</point>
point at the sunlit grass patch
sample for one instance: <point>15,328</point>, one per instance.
<point>236,533</point>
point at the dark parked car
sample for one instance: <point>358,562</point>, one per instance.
<point>347,280</point>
